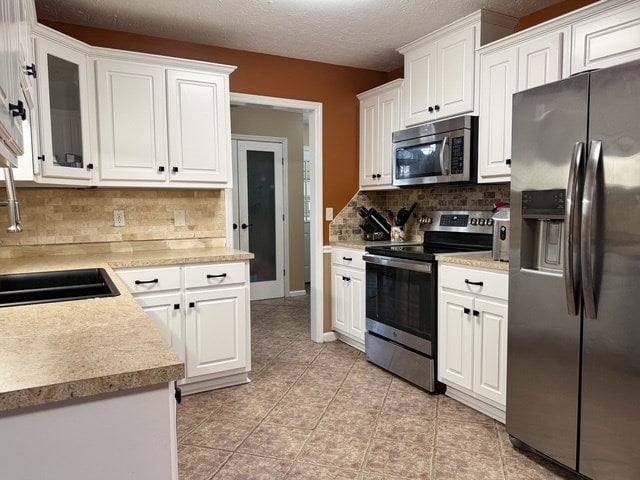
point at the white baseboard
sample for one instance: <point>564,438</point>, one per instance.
<point>297,293</point>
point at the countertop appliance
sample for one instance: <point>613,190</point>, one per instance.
<point>437,152</point>
<point>501,235</point>
<point>401,294</point>
<point>573,376</point>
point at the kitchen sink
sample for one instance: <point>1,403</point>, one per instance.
<point>57,286</point>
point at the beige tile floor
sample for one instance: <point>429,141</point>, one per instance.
<point>321,411</point>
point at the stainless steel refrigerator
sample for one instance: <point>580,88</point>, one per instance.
<point>573,375</point>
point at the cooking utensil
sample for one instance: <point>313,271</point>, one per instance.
<point>392,219</point>
<point>402,216</point>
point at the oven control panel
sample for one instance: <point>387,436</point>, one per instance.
<point>472,221</point>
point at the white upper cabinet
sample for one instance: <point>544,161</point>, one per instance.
<point>132,133</point>
<point>440,67</point>
<point>379,118</point>
<point>13,110</point>
<point>199,127</point>
<point>606,38</point>
<point>504,71</point>
<point>65,152</point>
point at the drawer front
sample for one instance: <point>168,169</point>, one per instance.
<point>478,282</point>
<point>143,280</point>
<point>214,275</point>
<point>348,257</point>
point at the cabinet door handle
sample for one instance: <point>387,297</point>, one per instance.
<point>346,279</point>
<point>161,168</point>
<point>347,259</point>
<point>41,157</point>
<point>476,313</point>
<point>192,304</point>
<point>467,311</point>
<point>221,275</point>
<point>141,282</point>
<point>174,169</point>
<point>176,306</point>
<point>31,70</point>
<point>18,110</point>
<point>469,282</point>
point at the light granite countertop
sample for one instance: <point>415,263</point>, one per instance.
<point>362,244</point>
<point>58,351</point>
<point>473,259</point>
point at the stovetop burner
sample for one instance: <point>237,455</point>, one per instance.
<point>444,232</point>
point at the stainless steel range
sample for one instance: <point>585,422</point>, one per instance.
<point>401,293</point>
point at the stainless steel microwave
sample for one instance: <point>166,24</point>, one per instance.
<point>437,152</point>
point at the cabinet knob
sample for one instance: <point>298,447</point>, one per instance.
<point>192,304</point>
<point>378,175</point>
<point>245,226</point>
<point>476,313</point>
<point>174,169</point>
<point>41,157</point>
<point>235,226</point>
<point>161,168</point>
<point>346,279</point>
<point>508,161</point>
<point>90,166</point>
<point>467,311</point>
<point>437,108</point>
<point>176,306</point>
<point>430,109</point>
<point>373,176</point>
<point>31,70</point>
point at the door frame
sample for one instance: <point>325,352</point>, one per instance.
<point>285,196</point>
<point>314,109</point>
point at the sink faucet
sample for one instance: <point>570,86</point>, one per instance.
<point>15,223</point>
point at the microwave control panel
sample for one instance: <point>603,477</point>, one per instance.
<point>457,155</point>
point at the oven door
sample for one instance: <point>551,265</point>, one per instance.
<point>439,158</point>
<point>401,301</point>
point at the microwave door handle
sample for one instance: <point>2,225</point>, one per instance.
<point>586,228</point>
<point>445,171</point>
<point>572,238</point>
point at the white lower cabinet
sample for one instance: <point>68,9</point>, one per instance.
<point>472,337</point>
<point>203,312</point>
<point>348,296</point>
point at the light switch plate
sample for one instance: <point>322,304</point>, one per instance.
<point>328,216</point>
<point>179,218</point>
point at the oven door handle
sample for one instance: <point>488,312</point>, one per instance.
<point>417,266</point>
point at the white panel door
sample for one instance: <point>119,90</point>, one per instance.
<point>165,310</point>
<point>131,118</point>
<point>339,299</point>
<point>490,350</point>
<point>540,61</point>
<point>455,339</point>
<point>498,78</point>
<point>388,122</point>
<point>369,142</point>
<point>199,127</point>
<point>419,85</point>
<point>356,310</point>
<point>455,68</point>
<point>216,330</point>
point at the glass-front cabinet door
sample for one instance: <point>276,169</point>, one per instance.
<point>63,108</point>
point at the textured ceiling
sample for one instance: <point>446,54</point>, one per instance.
<point>356,33</point>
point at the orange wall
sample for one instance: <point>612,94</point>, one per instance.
<point>551,12</point>
<point>334,86</point>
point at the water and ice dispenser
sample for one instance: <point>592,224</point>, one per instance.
<point>543,230</point>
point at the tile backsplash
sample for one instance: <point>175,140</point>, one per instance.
<point>346,225</point>
<point>65,216</point>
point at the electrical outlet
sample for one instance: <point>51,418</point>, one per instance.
<point>179,218</point>
<point>118,218</point>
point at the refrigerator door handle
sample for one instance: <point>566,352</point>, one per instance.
<point>572,238</point>
<point>586,228</point>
